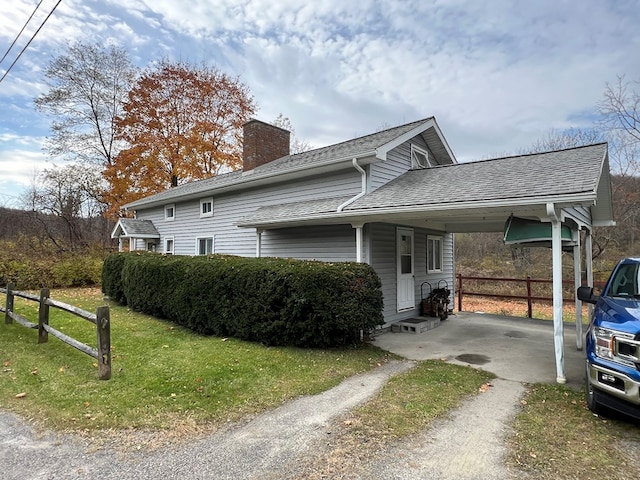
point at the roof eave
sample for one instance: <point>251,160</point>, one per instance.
<point>258,179</point>
<point>349,215</point>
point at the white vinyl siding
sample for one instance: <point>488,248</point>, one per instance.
<point>398,162</point>
<point>331,243</point>
<point>229,209</point>
<point>383,260</point>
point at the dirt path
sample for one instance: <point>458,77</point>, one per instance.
<point>278,444</point>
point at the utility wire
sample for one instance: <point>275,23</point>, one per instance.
<point>20,33</point>
<point>30,40</point>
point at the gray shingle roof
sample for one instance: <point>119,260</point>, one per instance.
<point>132,227</point>
<point>544,175</point>
<point>344,150</point>
<point>563,172</point>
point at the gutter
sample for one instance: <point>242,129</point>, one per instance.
<point>363,191</point>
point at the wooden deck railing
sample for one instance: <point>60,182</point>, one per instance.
<point>528,295</point>
<point>100,319</point>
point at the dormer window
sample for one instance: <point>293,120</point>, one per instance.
<point>419,158</point>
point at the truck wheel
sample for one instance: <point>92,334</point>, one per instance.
<point>590,396</point>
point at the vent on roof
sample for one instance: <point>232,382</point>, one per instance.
<point>419,157</point>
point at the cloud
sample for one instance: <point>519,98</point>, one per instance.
<point>497,75</point>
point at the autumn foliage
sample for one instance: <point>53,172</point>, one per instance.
<point>181,123</point>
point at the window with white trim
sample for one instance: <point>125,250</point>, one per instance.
<point>419,157</point>
<point>169,245</point>
<point>204,245</point>
<point>206,207</point>
<point>170,211</point>
<point>434,254</point>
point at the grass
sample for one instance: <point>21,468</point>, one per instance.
<point>164,377</point>
<point>406,405</point>
<point>557,437</point>
<point>169,380</point>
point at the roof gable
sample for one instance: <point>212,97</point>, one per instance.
<point>134,228</point>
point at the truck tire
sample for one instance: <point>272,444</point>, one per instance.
<point>590,395</point>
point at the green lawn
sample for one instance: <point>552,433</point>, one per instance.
<point>163,375</point>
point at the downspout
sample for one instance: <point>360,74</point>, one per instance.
<point>354,162</point>
<point>363,190</point>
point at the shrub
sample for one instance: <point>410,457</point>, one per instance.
<point>77,271</point>
<point>31,271</point>
<point>112,277</point>
<point>269,300</point>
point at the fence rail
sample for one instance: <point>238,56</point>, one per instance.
<point>528,283</point>
<point>101,319</point>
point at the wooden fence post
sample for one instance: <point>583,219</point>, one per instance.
<point>103,326</point>
<point>9,304</point>
<point>529,305</point>
<point>43,316</point>
<point>459,292</point>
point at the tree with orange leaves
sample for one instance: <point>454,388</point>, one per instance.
<point>181,123</point>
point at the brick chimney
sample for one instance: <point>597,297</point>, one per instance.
<point>263,143</point>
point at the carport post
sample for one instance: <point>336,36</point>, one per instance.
<point>358,229</point>
<point>558,327</point>
<point>259,242</point>
<point>588,248</point>
<point>577,276</point>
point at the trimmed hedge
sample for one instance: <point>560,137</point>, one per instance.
<point>268,300</point>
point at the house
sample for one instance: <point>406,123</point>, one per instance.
<point>393,199</point>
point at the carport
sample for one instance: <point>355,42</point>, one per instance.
<point>561,190</point>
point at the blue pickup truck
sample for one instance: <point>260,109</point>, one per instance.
<point>613,342</point>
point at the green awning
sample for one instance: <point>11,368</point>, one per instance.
<point>533,233</point>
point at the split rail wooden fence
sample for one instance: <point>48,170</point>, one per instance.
<point>100,319</point>
<point>527,292</point>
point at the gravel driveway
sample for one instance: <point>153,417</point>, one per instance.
<point>276,444</point>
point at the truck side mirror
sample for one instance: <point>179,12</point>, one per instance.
<point>586,295</point>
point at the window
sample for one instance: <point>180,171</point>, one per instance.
<point>170,212</point>
<point>204,246</point>
<point>419,157</point>
<point>168,245</point>
<point>434,254</point>
<point>406,255</point>
<point>206,207</point>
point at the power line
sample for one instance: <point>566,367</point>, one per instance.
<point>21,30</point>
<point>30,40</point>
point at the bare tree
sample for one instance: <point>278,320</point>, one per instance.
<point>561,139</point>
<point>88,85</point>
<point>64,202</point>
<point>296,145</point>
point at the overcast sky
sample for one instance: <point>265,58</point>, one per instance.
<point>497,75</point>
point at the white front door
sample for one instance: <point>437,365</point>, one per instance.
<point>404,263</point>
